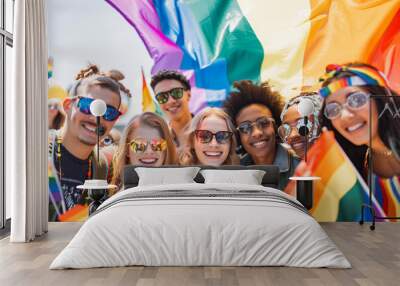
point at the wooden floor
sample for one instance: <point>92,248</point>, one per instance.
<point>374,255</point>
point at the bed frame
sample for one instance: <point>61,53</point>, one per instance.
<point>270,179</point>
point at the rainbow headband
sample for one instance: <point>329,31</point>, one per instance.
<point>362,76</point>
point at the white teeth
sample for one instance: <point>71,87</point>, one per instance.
<point>173,109</point>
<point>90,128</point>
<point>148,161</point>
<point>213,154</point>
<point>259,144</point>
<point>355,127</point>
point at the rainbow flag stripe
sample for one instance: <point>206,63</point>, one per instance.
<point>148,103</point>
<point>289,43</point>
<point>387,193</point>
<point>77,213</point>
<point>339,194</point>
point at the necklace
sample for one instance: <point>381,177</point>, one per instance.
<point>58,155</point>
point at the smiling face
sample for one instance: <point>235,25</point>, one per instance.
<point>353,124</point>
<point>149,157</point>
<point>294,139</point>
<point>83,126</point>
<point>260,142</point>
<point>212,153</point>
<point>173,108</point>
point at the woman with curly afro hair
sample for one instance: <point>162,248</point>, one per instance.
<point>255,111</point>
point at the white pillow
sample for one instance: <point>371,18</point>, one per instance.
<point>166,176</point>
<point>249,177</point>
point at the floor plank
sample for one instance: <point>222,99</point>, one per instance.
<point>374,255</point>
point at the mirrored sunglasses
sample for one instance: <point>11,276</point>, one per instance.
<point>84,106</point>
<point>53,106</point>
<point>206,136</point>
<point>354,101</point>
<point>286,129</point>
<point>139,145</point>
<point>175,93</point>
<point>261,123</point>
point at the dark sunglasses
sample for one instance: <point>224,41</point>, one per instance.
<point>354,101</point>
<point>139,145</point>
<point>84,106</point>
<point>175,93</point>
<point>205,136</point>
<point>261,122</point>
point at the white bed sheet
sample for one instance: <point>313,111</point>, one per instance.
<point>200,231</point>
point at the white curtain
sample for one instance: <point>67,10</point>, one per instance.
<point>26,124</point>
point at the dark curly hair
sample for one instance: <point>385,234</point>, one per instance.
<point>169,74</point>
<point>249,93</point>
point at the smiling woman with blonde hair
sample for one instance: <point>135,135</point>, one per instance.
<point>146,141</point>
<point>211,140</point>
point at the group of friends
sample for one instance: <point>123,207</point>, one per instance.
<point>255,126</point>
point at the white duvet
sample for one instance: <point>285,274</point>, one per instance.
<point>185,230</point>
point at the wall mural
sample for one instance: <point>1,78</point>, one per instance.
<point>220,83</point>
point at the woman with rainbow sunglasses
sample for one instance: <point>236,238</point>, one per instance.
<point>146,141</point>
<point>346,90</point>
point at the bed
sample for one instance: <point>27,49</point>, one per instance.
<point>201,224</point>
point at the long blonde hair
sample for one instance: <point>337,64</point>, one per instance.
<point>150,119</point>
<point>188,156</point>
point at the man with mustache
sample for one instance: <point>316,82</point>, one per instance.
<point>172,92</point>
<point>255,110</point>
<point>292,121</point>
<point>72,158</point>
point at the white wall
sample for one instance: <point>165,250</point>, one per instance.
<point>83,31</point>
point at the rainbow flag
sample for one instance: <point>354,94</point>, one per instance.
<point>387,193</point>
<point>148,103</point>
<point>77,213</point>
<point>341,191</point>
<point>50,63</point>
<point>286,42</point>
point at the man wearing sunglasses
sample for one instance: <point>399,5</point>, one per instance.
<point>172,92</point>
<point>292,121</point>
<point>71,158</point>
<point>255,110</point>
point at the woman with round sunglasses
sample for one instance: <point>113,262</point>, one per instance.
<point>292,121</point>
<point>211,140</point>
<point>346,90</point>
<point>146,141</point>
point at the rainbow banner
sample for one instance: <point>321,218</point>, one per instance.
<point>341,191</point>
<point>77,213</point>
<point>148,103</point>
<point>387,193</point>
<point>286,42</point>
